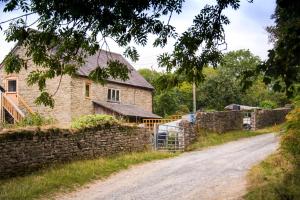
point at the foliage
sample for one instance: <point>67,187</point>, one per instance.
<point>219,91</point>
<point>278,177</point>
<point>150,75</point>
<point>166,103</point>
<point>88,121</point>
<point>206,36</point>
<point>220,87</point>
<point>267,104</point>
<point>275,178</point>
<point>69,31</point>
<point>67,177</point>
<point>283,63</point>
<point>34,119</point>
<point>291,140</point>
<point>182,110</point>
<point>208,138</point>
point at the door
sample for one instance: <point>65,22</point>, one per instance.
<point>11,89</point>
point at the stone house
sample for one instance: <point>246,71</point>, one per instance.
<point>77,95</point>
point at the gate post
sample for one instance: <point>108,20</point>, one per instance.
<point>155,130</point>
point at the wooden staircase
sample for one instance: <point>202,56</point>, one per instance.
<point>17,112</point>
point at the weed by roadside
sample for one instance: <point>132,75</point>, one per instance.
<point>208,138</point>
<point>278,177</point>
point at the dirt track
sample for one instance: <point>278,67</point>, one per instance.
<point>214,173</point>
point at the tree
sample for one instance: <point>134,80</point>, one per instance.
<point>224,87</point>
<point>68,31</point>
<point>166,103</point>
<point>283,63</point>
<point>218,91</point>
<point>150,75</point>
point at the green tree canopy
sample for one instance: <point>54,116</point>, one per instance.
<point>68,31</point>
<point>283,63</point>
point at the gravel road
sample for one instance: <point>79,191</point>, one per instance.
<point>214,173</point>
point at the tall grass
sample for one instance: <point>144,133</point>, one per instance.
<point>208,138</point>
<point>278,177</point>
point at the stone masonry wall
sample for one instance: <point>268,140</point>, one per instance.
<point>128,95</point>
<point>220,121</point>
<point>190,132</point>
<point>61,110</point>
<point>24,151</point>
<point>264,118</point>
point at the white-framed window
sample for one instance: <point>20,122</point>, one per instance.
<point>113,95</point>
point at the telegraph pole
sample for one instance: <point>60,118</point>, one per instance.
<point>194,97</point>
<point>194,92</point>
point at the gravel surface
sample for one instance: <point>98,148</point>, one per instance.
<point>214,173</point>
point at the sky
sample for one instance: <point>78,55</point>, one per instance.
<point>246,30</point>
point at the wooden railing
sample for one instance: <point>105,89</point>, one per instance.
<point>149,123</point>
<point>24,104</point>
<point>12,109</point>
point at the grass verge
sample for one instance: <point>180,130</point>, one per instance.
<point>206,138</point>
<point>65,177</point>
<point>276,178</point>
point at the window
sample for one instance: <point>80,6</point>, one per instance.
<point>113,95</point>
<point>12,86</point>
<point>87,90</point>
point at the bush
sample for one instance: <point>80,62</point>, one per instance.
<point>291,140</point>
<point>182,110</point>
<point>34,119</point>
<point>268,104</point>
<point>88,121</point>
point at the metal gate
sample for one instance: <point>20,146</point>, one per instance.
<point>168,138</point>
<point>247,122</point>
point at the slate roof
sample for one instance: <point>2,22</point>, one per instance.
<point>102,57</point>
<point>126,110</point>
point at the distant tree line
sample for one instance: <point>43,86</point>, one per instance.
<point>218,88</point>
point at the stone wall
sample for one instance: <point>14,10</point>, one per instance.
<point>24,151</point>
<point>220,121</point>
<point>264,118</point>
<point>81,105</point>
<point>190,132</point>
<point>61,110</point>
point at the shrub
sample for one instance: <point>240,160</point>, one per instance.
<point>291,140</point>
<point>88,121</point>
<point>182,110</point>
<point>34,119</point>
<point>268,104</point>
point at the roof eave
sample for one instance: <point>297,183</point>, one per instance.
<point>117,82</point>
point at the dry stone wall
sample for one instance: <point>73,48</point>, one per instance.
<point>220,121</point>
<point>264,118</point>
<point>25,151</point>
<point>190,132</point>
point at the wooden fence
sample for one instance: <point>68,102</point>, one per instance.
<point>149,123</point>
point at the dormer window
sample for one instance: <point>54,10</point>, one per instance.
<point>113,95</point>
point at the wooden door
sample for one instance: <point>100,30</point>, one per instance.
<point>12,89</point>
